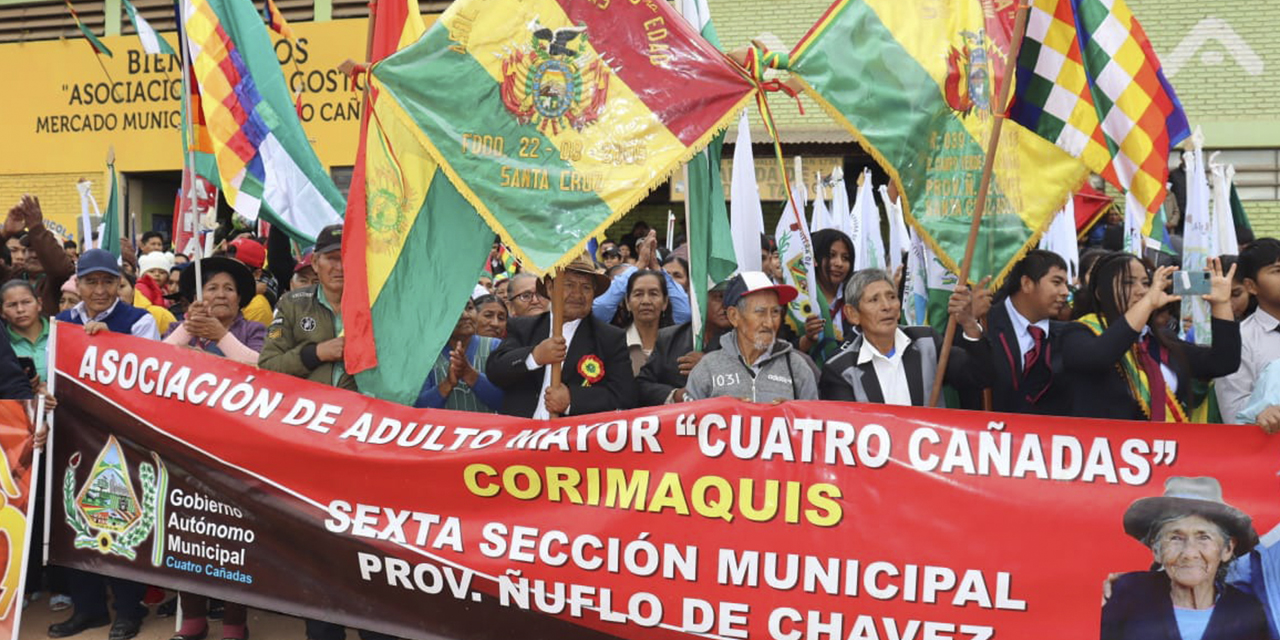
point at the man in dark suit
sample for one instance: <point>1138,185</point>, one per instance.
<point>1026,357</point>
<point>596,375</point>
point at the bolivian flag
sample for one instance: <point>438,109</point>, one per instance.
<point>554,118</point>
<point>915,81</point>
<point>412,244</point>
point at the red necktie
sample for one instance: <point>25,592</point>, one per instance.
<point>1033,354</point>
<point>1155,378</point>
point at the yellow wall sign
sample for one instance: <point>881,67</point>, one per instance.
<point>768,177</point>
<point>65,109</point>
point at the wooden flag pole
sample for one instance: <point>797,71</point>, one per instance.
<point>696,319</point>
<point>119,211</point>
<point>557,329</point>
<point>984,186</point>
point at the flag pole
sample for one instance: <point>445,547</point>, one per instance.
<point>557,328</point>
<point>189,170</point>
<point>118,213</point>
<point>984,186</point>
<point>695,319</point>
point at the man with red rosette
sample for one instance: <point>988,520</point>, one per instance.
<point>596,374</point>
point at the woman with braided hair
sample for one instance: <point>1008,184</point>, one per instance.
<point>1121,367</point>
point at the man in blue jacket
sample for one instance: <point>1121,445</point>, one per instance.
<point>100,309</point>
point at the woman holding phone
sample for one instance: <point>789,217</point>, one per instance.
<point>1121,365</point>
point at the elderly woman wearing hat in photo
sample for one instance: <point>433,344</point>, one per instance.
<point>1194,536</point>
<point>216,324</point>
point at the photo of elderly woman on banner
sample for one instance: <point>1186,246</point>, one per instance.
<point>1195,538</point>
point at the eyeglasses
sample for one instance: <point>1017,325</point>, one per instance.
<point>527,296</point>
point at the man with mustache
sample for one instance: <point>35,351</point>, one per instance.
<point>596,374</point>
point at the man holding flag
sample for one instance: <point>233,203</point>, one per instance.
<point>596,374</point>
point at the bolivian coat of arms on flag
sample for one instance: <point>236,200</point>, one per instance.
<point>554,118</point>
<point>916,82</point>
<point>552,84</point>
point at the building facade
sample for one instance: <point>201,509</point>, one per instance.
<point>68,107</point>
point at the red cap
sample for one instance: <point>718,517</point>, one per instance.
<point>249,252</point>
<point>304,261</point>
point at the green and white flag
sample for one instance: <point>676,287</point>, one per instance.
<point>152,43</point>
<point>109,230</point>
<point>711,256</point>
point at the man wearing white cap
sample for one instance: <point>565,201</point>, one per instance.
<point>752,363</point>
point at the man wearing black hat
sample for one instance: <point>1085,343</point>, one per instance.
<point>100,309</point>
<point>596,375</point>
<point>305,337</point>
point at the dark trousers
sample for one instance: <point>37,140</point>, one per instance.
<point>89,595</point>
<point>39,576</point>
<point>318,630</point>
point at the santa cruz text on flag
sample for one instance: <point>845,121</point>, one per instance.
<point>555,118</point>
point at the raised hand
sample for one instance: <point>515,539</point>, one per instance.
<point>15,222</point>
<point>1220,284</point>
<point>1158,295</point>
<point>30,206</point>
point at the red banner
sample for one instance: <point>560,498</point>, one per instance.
<point>17,479</point>
<point>719,518</point>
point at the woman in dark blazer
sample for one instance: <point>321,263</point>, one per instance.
<point>1111,348</point>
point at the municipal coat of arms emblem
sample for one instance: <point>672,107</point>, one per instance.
<point>106,513</point>
<point>555,81</point>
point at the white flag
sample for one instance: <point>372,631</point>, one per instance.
<point>1198,241</point>
<point>1060,238</point>
<point>869,250</point>
<point>1135,216</point>
<point>86,201</point>
<point>821,218</point>
<point>1223,223</point>
<point>152,43</point>
<point>795,249</point>
<point>746,218</point>
<point>899,238</point>
<point>916,306</point>
<point>696,12</point>
<point>840,203</point>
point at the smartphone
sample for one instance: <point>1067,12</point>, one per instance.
<point>1191,283</point>
<point>28,367</point>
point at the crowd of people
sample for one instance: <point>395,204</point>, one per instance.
<point>1107,344</point>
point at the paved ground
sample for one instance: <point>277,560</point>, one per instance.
<point>262,625</point>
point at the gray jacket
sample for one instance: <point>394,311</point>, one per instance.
<point>782,374</point>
